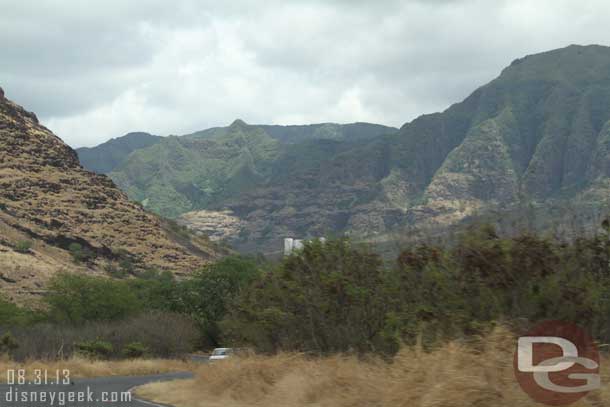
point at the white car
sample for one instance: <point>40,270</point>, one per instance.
<point>221,353</point>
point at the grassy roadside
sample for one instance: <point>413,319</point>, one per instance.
<point>84,368</point>
<point>456,375</point>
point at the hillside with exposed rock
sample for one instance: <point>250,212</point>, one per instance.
<point>50,204</point>
<point>531,149</point>
<point>531,143</point>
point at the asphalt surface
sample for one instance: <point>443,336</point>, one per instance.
<point>200,358</point>
<point>98,392</point>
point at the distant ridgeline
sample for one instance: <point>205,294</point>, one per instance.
<point>203,179</point>
<point>529,150</point>
<point>107,156</point>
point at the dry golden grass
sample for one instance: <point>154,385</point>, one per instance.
<point>80,367</point>
<point>453,376</point>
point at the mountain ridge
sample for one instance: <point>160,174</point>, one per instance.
<point>197,171</point>
<point>536,135</point>
<point>103,158</point>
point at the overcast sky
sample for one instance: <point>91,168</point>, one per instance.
<point>93,70</point>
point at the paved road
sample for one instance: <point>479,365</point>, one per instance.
<point>200,358</point>
<point>105,391</point>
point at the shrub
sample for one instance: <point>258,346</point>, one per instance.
<point>135,350</point>
<point>126,265</point>
<point>13,315</point>
<point>80,254</point>
<point>327,298</point>
<point>180,230</point>
<point>76,299</point>
<point>114,271</point>
<point>155,290</point>
<point>163,335</point>
<point>8,343</point>
<point>96,349</point>
<point>23,246</point>
<point>339,297</point>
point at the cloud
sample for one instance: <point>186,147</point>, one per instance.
<point>98,69</point>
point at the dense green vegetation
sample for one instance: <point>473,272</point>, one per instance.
<point>334,296</point>
<point>77,299</point>
<point>201,170</point>
<point>207,295</point>
<point>13,315</point>
<point>180,174</point>
<point>339,296</point>
<point>152,314</point>
<point>107,156</point>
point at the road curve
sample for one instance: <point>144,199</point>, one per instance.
<point>97,392</point>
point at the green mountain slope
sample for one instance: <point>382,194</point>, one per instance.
<point>326,131</point>
<point>537,137</point>
<point>107,156</point>
<point>205,170</point>
<point>180,174</point>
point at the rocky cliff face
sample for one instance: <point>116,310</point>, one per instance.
<point>535,135</point>
<point>533,140</point>
<point>536,140</point>
<point>48,199</point>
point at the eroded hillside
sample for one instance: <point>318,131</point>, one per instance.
<point>48,201</point>
<point>533,143</point>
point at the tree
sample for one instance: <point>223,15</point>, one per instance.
<point>207,294</point>
<point>155,290</point>
<point>326,298</point>
<point>76,299</point>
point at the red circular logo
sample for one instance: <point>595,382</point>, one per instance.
<point>557,363</point>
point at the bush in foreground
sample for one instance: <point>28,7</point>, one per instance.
<point>326,299</point>
<point>135,350</point>
<point>340,297</point>
<point>207,295</point>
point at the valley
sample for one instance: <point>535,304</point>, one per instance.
<point>534,137</point>
<point>327,203</point>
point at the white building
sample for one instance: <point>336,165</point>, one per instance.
<point>290,245</point>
